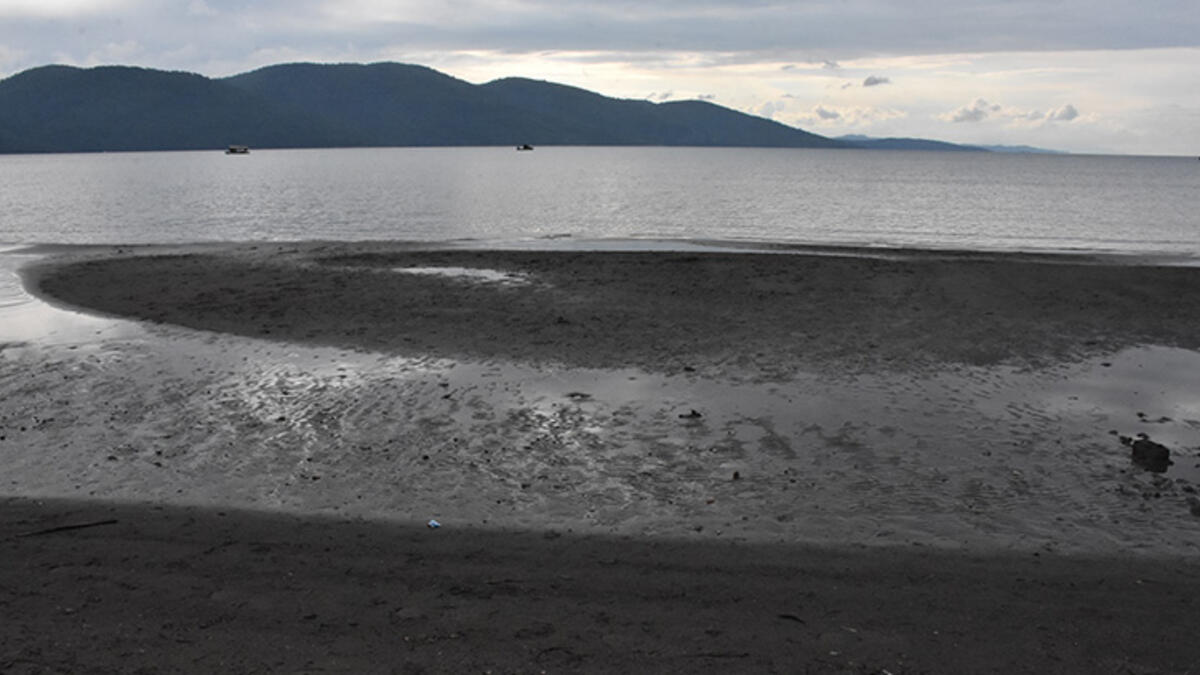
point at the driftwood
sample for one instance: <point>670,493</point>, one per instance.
<point>64,528</point>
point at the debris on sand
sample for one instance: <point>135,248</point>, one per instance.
<point>1147,454</point>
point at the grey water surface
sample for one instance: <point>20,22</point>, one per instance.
<point>1141,205</point>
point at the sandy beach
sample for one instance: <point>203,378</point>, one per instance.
<point>780,461</point>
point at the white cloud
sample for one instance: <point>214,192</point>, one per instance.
<point>832,119</point>
<point>1063,114</point>
<point>200,8</point>
<point>62,9</point>
<point>980,110</point>
<point>9,57</point>
<point>769,109</point>
<point>976,111</point>
<point>119,53</point>
<point>875,80</point>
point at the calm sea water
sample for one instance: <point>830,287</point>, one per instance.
<point>875,198</point>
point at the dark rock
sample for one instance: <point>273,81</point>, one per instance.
<point>1150,455</point>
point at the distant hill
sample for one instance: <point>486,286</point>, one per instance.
<point>925,144</point>
<point>111,108</point>
<point>1022,149</point>
<point>870,143</point>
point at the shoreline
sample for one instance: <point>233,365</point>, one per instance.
<point>568,243</point>
<point>237,591</point>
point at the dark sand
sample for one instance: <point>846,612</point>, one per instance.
<point>763,315</point>
<point>171,588</point>
<point>168,589</point>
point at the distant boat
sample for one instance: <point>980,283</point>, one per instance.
<point>525,147</point>
<point>237,150</point>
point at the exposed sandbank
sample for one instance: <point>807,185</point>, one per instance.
<point>761,315</point>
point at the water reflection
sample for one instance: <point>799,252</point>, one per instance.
<point>27,319</point>
<point>473,274</point>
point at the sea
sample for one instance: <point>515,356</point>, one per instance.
<point>584,195</point>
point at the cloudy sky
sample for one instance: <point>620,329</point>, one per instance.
<point>1096,76</point>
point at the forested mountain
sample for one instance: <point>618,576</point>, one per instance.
<point>65,109</point>
<point>68,109</point>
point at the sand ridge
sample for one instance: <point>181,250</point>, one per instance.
<point>765,315</point>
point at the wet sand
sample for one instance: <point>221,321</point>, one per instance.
<point>923,430</point>
<point>763,316</point>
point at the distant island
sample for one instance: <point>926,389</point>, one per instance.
<point>305,105</point>
<point>925,144</point>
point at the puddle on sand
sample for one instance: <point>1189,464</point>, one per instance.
<point>469,274</point>
<point>1144,390</point>
<point>25,319</point>
<point>978,457</point>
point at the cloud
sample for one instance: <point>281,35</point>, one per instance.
<point>43,9</point>
<point>875,80</point>
<point>126,52</point>
<point>834,117</point>
<point>824,33</point>
<point>706,97</point>
<point>977,111</point>
<point>1063,114</point>
<point>981,109</point>
<point>660,96</point>
<point>200,8</point>
<point>769,109</point>
<point>8,57</point>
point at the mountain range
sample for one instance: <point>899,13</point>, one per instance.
<point>113,108</point>
<point>122,108</point>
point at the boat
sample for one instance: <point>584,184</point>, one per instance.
<point>237,150</point>
<point>525,147</point>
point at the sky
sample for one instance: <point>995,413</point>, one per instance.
<point>1088,76</point>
